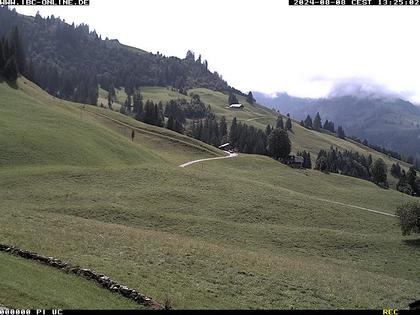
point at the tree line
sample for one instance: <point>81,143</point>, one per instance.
<point>352,164</point>
<point>12,58</point>
<point>396,155</point>
<point>70,61</point>
<point>317,125</point>
<point>408,182</point>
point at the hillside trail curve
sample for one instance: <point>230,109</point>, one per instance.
<point>229,155</point>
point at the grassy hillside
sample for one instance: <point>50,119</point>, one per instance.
<point>259,116</point>
<point>33,132</point>
<point>246,232</point>
<point>31,285</point>
<point>157,144</point>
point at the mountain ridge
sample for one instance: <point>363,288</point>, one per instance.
<point>390,122</point>
<point>70,61</point>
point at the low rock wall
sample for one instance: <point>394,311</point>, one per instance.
<point>101,279</point>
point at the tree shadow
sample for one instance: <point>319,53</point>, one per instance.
<point>412,242</point>
<point>13,84</point>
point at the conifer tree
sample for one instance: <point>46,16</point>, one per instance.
<point>279,122</point>
<point>317,122</point>
<point>15,41</point>
<point>233,133</point>
<point>232,99</point>
<point>308,122</point>
<point>379,171</point>
<point>138,105</point>
<point>170,123</point>
<point>279,145</point>
<point>127,104</point>
<point>250,98</point>
<point>2,59</point>
<point>223,129</point>
<point>340,133</point>
<point>268,130</point>
<point>288,124</point>
<point>11,69</point>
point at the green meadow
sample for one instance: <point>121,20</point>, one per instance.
<point>246,232</point>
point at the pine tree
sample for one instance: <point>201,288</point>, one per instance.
<point>288,124</point>
<point>268,130</point>
<point>411,178</point>
<point>317,122</point>
<point>232,99</point>
<point>250,98</point>
<point>340,133</point>
<point>15,41</point>
<point>178,127</point>
<point>403,186</point>
<point>2,59</point>
<point>127,104</point>
<point>170,123</point>
<point>308,162</point>
<point>369,160</point>
<point>233,133</point>
<point>279,122</point>
<point>308,122</point>
<point>279,145</point>
<point>149,112</point>
<point>379,171</point>
<point>110,99</point>
<point>11,69</point>
<point>138,105</point>
<point>223,129</point>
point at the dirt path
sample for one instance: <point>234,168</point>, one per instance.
<point>230,155</point>
<point>353,206</point>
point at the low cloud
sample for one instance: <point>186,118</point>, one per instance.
<point>363,88</point>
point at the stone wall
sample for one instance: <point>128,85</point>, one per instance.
<point>101,279</point>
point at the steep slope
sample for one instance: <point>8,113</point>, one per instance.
<point>222,234</point>
<point>69,61</point>
<point>34,133</point>
<point>162,144</point>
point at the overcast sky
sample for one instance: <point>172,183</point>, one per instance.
<point>266,45</point>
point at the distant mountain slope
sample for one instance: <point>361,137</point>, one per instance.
<point>69,61</point>
<point>390,122</point>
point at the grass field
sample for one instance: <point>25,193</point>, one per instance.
<point>246,232</point>
<point>27,284</point>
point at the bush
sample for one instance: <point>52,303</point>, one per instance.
<point>409,216</point>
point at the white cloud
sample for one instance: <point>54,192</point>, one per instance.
<point>267,45</point>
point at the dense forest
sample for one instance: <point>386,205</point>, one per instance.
<point>12,60</point>
<point>352,164</point>
<point>70,61</point>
